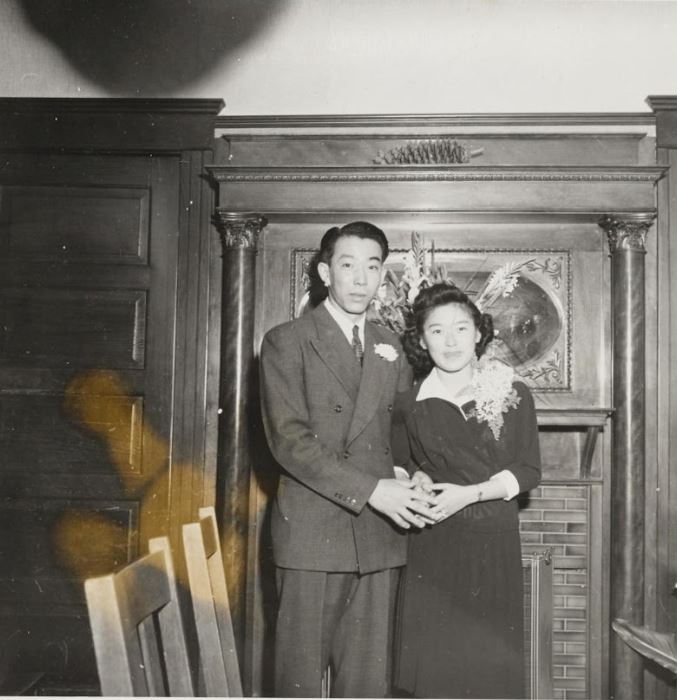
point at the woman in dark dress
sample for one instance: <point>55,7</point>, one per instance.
<point>472,438</point>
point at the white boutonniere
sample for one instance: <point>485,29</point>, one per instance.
<point>386,351</point>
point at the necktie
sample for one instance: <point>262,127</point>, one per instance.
<point>357,344</point>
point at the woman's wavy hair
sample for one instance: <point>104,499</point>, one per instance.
<point>430,298</point>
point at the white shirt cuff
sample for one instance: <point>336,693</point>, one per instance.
<point>507,478</point>
<point>400,472</point>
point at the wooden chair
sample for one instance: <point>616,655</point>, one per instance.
<point>125,609</point>
<point>209,596</point>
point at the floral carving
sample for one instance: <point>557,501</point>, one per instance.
<point>428,152</point>
<point>550,372</point>
<point>551,267</point>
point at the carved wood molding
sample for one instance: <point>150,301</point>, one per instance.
<point>421,173</point>
<point>375,121</point>
<point>143,105</point>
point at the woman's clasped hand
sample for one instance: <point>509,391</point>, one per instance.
<point>448,498</point>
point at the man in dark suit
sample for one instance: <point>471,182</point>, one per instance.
<point>329,379</point>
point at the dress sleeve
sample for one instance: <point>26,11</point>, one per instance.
<point>526,464</point>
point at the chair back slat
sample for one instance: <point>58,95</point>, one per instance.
<point>222,604</point>
<point>177,665</point>
<point>121,675</point>
<point>211,659</point>
<point>209,596</point>
<point>145,585</point>
<point>153,664</point>
<point>210,536</point>
<point>123,610</point>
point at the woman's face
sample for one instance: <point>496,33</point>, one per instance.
<point>450,336</point>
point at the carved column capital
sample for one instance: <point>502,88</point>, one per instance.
<point>627,231</point>
<point>239,230</point>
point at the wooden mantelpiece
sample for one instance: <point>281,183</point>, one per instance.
<point>539,184</point>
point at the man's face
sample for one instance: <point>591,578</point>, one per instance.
<point>354,274</point>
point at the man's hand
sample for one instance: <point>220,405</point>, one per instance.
<point>401,474</point>
<point>397,499</point>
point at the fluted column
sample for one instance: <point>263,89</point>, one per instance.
<point>626,235</point>
<point>239,237</point>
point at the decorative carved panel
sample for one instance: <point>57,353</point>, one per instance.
<point>428,152</point>
<point>533,323</point>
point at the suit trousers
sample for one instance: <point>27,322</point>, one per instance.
<point>340,620</point>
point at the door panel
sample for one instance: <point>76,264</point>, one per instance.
<point>88,259</point>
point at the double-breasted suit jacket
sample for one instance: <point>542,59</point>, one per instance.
<point>328,425</point>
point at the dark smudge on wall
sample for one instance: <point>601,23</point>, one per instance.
<point>154,47</point>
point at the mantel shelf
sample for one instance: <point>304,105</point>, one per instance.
<point>574,417</point>
<point>592,419</point>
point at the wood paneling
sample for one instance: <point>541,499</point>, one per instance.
<point>42,430</point>
<point>57,223</point>
<point>660,599</point>
<point>94,237</point>
<point>76,327</point>
<point>422,189</point>
<point>70,526</point>
<point>85,462</point>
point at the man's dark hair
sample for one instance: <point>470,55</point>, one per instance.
<point>428,299</point>
<point>359,229</point>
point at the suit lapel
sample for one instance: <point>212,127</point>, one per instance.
<point>333,348</point>
<point>374,372</point>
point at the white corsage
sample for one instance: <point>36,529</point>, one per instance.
<point>386,351</point>
<point>493,393</point>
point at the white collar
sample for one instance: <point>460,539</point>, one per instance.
<point>344,323</point>
<point>433,388</point>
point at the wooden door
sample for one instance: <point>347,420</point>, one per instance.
<point>88,260</point>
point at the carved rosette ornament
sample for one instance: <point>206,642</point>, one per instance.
<point>239,230</point>
<point>627,231</point>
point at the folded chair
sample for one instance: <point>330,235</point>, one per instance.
<point>209,595</point>
<point>137,628</point>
